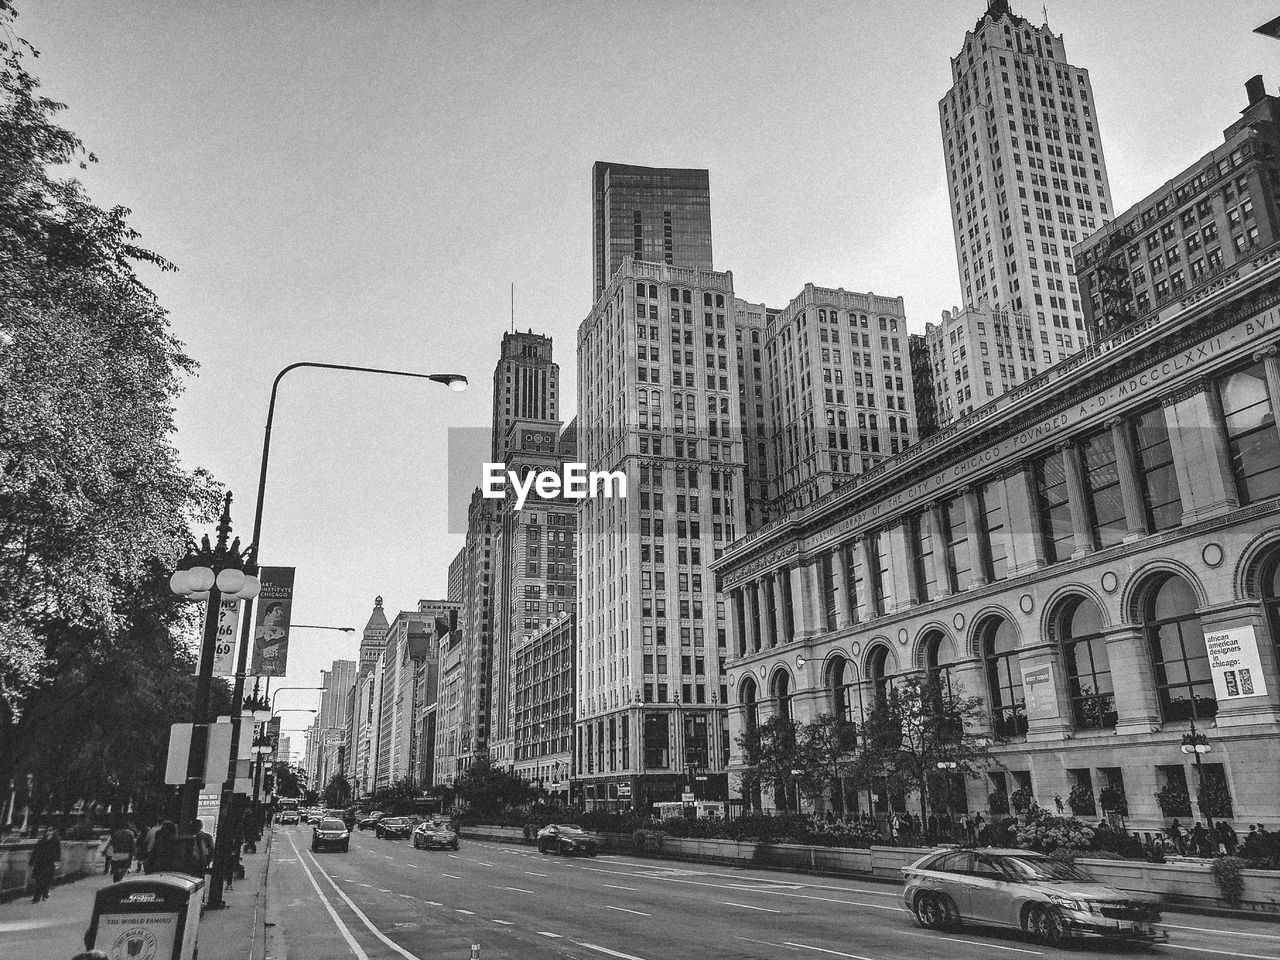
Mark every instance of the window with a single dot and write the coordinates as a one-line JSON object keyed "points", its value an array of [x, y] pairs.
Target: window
{"points": [[878, 672], [1084, 652], [656, 747], [1004, 680], [880, 562], [991, 503], [1156, 473], [1178, 653], [959, 561], [842, 690], [782, 694], [1102, 488], [1251, 433], [1055, 509], [922, 558]]}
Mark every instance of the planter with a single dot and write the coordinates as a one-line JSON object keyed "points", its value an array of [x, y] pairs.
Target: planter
{"points": [[79, 857]]}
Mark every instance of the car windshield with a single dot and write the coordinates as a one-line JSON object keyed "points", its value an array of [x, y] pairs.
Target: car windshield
{"points": [[393, 821], [1043, 869], [569, 828], [332, 825]]}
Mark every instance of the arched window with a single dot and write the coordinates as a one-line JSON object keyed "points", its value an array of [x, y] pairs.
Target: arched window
{"points": [[1084, 652], [878, 672], [782, 693], [1183, 682], [938, 659], [1004, 679], [840, 687], [1271, 597], [750, 707]]}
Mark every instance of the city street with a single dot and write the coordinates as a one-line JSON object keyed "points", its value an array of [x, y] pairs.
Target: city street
{"points": [[385, 899]]}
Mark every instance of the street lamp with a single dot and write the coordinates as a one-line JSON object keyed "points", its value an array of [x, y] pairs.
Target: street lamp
{"points": [[209, 572], [1196, 744], [795, 782]]}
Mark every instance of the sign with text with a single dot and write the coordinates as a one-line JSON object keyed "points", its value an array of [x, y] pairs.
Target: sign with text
{"points": [[224, 649], [137, 936], [271, 622], [1234, 663], [1041, 691]]}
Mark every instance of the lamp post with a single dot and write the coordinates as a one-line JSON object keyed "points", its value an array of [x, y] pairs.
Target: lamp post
{"points": [[947, 766], [1197, 745], [455, 382], [210, 572], [795, 783]]}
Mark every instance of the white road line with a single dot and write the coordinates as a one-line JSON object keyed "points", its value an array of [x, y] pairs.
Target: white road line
{"points": [[414, 865], [359, 913], [450, 876], [973, 943], [483, 864], [614, 886], [834, 953], [532, 874], [747, 906], [433, 903], [548, 933], [1224, 953], [639, 913], [469, 913], [408, 896], [342, 927], [505, 923], [1232, 933], [454, 856], [767, 943], [606, 950], [516, 889]]}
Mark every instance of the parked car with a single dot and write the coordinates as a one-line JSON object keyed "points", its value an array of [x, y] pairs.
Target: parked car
{"points": [[1046, 899], [287, 817], [434, 835], [330, 833], [567, 838], [393, 828], [370, 821]]}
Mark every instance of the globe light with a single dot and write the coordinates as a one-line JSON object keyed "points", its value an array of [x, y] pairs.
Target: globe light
{"points": [[251, 587], [230, 580], [200, 578], [179, 583]]}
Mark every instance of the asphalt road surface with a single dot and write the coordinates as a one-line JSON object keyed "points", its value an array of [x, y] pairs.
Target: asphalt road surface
{"points": [[385, 900]]}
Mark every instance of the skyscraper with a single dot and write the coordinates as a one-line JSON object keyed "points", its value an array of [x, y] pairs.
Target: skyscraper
{"points": [[526, 386], [659, 214], [1026, 176]]}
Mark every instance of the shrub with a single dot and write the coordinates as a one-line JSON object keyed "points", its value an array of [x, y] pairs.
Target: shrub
{"points": [[1228, 875], [1080, 799], [998, 802], [1174, 800], [1113, 799], [1021, 800], [1046, 832]]}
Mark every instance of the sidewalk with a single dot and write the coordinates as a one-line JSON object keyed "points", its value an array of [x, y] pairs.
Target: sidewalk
{"points": [[54, 929]]}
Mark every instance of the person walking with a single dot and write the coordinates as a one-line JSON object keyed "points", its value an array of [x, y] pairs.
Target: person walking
{"points": [[1174, 830], [119, 852], [204, 849], [1227, 839], [45, 856], [164, 853]]}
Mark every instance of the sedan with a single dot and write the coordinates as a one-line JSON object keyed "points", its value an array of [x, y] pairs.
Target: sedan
{"points": [[287, 817], [393, 828], [1046, 899], [433, 835], [567, 838], [370, 821], [330, 834]]}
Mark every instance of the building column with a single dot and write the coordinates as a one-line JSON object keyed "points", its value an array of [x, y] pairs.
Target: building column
{"points": [[787, 618], [780, 634], [979, 549], [750, 613], [1077, 499], [1247, 616], [1022, 519], [867, 601], [1135, 511], [941, 565], [845, 615], [735, 621], [1137, 706], [1198, 443], [801, 615], [768, 610], [1270, 358], [817, 596], [900, 592]]}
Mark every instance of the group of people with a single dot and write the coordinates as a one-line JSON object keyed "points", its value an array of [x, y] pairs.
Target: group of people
{"points": [[1202, 841]]}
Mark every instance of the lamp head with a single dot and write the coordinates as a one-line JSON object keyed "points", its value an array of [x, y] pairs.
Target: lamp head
{"points": [[454, 381]]}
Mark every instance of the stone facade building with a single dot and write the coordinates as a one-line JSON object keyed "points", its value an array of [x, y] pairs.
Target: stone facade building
{"points": [[542, 680], [1096, 554], [978, 353]]}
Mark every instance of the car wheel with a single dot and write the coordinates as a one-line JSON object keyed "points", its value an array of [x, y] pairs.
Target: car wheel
{"points": [[542, 847], [1044, 925], [455, 844], [314, 848], [933, 911]]}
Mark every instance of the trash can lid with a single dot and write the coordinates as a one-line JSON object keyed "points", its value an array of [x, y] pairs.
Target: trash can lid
{"points": [[154, 889]]}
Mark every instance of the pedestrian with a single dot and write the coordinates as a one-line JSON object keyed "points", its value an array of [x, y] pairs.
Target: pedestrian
{"points": [[119, 852], [1198, 839], [1227, 839], [203, 849], [44, 860], [164, 853], [1174, 830]]}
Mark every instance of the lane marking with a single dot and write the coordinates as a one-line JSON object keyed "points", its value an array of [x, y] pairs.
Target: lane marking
{"points": [[974, 943], [834, 953], [767, 943], [639, 913], [606, 950], [469, 913], [414, 865], [548, 933], [505, 923], [433, 903], [342, 927], [450, 876], [1232, 933], [614, 886], [483, 864], [747, 906], [1224, 953], [408, 896], [532, 874]]}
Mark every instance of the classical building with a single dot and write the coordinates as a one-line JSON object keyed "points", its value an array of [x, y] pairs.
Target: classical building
{"points": [[651, 633], [978, 353], [1194, 234], [659, 214], [542, 680], [840, 397], [1095, 553], [1026, 175]]}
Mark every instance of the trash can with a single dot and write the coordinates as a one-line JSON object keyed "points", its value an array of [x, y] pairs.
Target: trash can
{"points": [[153, 917]]}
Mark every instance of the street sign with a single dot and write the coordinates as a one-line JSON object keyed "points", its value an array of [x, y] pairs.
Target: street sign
{"points": [[624, 791], [686, 797], [217, 755]]}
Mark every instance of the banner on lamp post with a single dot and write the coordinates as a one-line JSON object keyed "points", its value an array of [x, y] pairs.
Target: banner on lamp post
{"points": [[224, 649], [271, 622]]}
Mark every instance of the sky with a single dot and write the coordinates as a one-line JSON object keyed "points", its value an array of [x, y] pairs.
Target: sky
{"points": [[361, 183]]}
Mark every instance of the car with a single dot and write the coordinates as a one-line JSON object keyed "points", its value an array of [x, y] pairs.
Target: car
{"points": [[568, 839], [370, 821], [287, 817], [393, 828], [330, 833], [434, 835], [1048, 900], [313, 816]]}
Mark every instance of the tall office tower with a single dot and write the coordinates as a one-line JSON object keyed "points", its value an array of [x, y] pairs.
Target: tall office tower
{"points": [[364, 732], [657, 214], [842, 398], [1026, 175], [331, 722], [535, 568], [526, 386], [650, 674], [976, 354], [449, 707], [411, 639], [754, 400], [457, 575], [475, 630], [374, 637]]}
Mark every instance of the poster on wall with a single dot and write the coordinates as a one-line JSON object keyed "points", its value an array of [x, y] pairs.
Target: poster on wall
{"points": [[1235, 664], [271, 622], [1041, 692]]}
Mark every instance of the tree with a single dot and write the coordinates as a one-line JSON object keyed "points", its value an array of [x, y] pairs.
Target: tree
{"points": [[919, 723], [487, 789], [94, 506], [290, 780], [771, 751], [826, 748], [338, 791]]}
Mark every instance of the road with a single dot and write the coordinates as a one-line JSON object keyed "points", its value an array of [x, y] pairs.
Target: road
{"points": [[385, 900]]}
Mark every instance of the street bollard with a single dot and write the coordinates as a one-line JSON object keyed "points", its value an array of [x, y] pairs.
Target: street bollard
{"points": [[153, 917]]}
